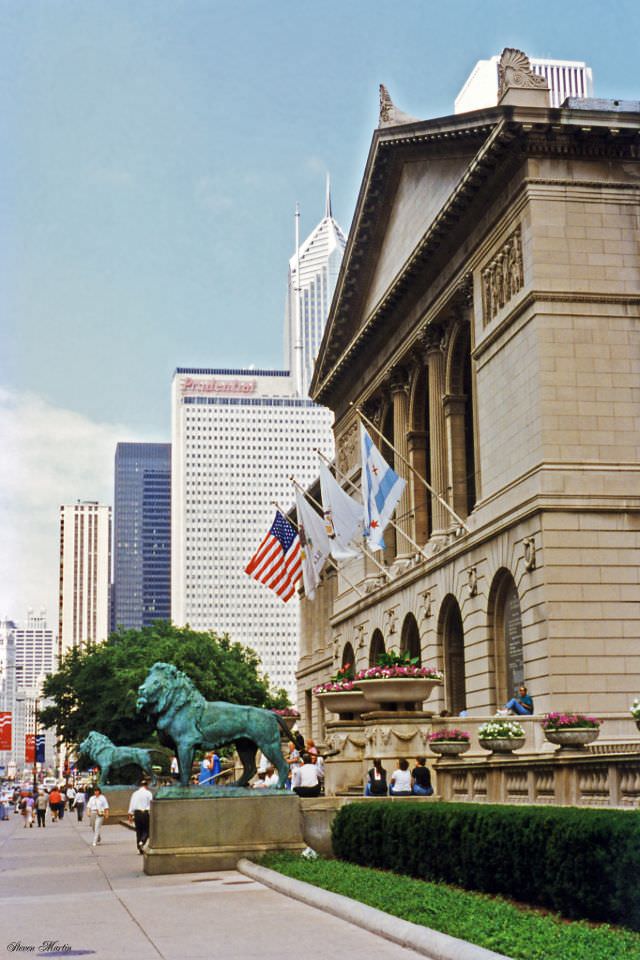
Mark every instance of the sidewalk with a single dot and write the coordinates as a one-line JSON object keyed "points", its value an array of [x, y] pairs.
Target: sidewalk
{"points": [[62, 897]]}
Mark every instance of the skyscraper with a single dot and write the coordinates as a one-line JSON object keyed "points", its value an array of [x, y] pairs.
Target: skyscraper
{"points": [[36, 652], [85, 564], [238, 435], [141, 590], [313, 272], [566, 78]]}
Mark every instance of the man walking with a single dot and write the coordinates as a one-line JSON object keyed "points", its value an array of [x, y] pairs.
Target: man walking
{"points": [[139, 812], [42, 802], [98, 808]]}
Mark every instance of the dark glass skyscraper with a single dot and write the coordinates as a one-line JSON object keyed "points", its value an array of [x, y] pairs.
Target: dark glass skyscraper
{"points": [[142, 535]]}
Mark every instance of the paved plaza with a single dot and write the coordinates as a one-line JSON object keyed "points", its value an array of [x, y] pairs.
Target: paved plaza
{"points": [[59, 896]]}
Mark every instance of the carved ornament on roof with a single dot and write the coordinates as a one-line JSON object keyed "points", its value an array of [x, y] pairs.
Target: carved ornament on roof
{"points": [[390, 116], [514, 70]]}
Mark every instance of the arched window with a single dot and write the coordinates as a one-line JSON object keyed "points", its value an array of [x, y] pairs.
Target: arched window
{"points": [[376, 647], [451, 634], [410, 638], [348, 656], [506, 627]]}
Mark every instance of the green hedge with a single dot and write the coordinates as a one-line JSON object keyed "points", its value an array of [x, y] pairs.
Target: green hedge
{"points": [[582, 863]]}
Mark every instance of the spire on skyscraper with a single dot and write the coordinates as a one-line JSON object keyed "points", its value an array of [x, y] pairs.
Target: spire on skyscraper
{"points": [[327, 202], [313, 273]]}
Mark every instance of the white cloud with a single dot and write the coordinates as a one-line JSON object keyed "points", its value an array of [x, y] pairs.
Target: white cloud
{"points": [[50, 456]]}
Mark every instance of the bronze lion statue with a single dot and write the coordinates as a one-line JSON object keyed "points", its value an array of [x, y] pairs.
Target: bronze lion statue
{"points": [[101, 751], [186, 720]]}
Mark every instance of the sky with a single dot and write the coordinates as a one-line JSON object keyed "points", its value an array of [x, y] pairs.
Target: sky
{"points": [[152, 154]]}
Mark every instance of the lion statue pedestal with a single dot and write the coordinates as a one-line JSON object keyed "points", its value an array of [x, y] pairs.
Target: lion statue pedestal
{"points": [[213, 833]]}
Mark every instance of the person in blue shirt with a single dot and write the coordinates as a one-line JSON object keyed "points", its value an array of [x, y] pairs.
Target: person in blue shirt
{"points": [[522, 703]]}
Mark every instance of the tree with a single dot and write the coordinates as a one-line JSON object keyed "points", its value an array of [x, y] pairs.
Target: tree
{"points": [[96, 688]]}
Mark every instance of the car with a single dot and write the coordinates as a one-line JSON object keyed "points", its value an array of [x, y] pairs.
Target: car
{"points": [[49, 783]]}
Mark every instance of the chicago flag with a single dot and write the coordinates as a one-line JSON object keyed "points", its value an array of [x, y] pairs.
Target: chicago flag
{"points": [[381, 490]]}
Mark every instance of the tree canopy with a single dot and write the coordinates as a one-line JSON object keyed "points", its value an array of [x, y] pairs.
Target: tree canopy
{"points": [[96, 688]]}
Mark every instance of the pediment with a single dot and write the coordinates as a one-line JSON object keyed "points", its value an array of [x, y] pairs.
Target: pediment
{"points": [[410, 176], [423, 187]]}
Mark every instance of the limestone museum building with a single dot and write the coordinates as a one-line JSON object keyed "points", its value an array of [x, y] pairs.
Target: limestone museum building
{"points": [[486, 319]]}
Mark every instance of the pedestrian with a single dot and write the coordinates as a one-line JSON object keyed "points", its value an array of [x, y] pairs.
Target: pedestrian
{"points": [[26, 809], [421, 778], [42, 803], [55, 799], [98, 807], [79, 802], [71, 795], [140, 813]]}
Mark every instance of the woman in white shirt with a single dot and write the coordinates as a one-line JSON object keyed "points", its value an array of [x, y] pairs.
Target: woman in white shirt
{"points": [[400, 783], [308, 784]]}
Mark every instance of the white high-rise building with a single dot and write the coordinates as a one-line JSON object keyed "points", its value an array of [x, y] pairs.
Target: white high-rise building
{"points": [[85, 565], [237, 437], [36, 653], [313, 273], [566, 78]]}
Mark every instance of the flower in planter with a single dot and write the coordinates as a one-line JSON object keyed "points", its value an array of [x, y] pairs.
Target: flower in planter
{"points": [[448, 734], [287, 712], [411, 671], [569, 721], [334, 686], [500, 730], [635, 709]]}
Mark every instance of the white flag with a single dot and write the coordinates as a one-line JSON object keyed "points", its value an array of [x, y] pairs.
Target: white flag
{"points": [[315, 546], [343, 516], [381, 490]]}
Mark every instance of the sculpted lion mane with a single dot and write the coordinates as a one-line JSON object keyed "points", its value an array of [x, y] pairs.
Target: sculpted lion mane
{"points": [[103, 752], [186, 720]]}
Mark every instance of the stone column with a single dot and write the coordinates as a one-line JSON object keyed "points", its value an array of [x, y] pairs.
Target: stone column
{"points": [[419, 495], [454, 412], [400, 397], [437, 429]]}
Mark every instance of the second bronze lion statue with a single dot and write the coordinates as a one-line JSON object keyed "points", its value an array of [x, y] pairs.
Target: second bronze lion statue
{"points": [[189, 722]]}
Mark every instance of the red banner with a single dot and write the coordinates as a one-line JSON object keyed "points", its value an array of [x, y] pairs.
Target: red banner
{"points": [[30, 748], [5, 731]]}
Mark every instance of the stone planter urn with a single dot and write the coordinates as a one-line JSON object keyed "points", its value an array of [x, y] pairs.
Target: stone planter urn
{"points": [[502, 744], [398, 689], [576, 739], [449, 748], [290, 723], [344, 701]]}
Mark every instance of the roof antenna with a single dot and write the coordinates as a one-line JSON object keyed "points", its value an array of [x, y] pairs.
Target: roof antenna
{"points": [[327, 202]]}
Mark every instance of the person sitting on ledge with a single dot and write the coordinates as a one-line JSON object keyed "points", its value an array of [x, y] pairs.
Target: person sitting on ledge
{"points": [[376, 785], [400, 783], [521, 704]]}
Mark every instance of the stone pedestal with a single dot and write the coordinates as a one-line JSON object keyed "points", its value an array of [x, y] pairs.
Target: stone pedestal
{"points": [[118, 798], [213, 833]]}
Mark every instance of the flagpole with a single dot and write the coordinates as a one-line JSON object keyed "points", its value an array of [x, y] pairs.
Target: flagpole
{"points": [[413, 469], [396, 526], [329, 558], [320, 508]]}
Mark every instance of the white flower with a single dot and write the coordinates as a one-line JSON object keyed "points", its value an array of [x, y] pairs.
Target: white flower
{"points": [[500, 729]]}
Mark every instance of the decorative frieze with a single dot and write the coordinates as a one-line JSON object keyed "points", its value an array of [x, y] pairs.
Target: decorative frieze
{"points": [[348, 449], [502, 277]]}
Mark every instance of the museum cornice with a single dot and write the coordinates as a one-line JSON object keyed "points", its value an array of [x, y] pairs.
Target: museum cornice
{"points": [[541, 132]]}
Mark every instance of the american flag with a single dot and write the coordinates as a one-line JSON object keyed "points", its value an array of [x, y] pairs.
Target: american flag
{"points": [[277, 562]]}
